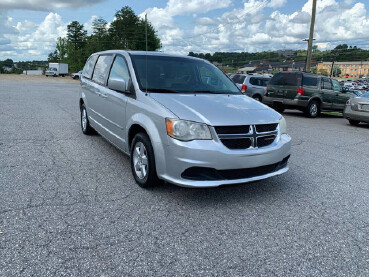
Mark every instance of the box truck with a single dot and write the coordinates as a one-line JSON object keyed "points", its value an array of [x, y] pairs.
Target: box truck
{"points": [[57, 69]]}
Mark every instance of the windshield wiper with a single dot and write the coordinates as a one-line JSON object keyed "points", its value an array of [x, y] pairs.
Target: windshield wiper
{"points": [[161, 90]]}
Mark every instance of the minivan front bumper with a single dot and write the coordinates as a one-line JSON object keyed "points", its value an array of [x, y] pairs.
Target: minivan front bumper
{"points": [[208, 163]]}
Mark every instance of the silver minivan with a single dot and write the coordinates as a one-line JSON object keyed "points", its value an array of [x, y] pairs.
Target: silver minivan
{"points": [[181, 120]]}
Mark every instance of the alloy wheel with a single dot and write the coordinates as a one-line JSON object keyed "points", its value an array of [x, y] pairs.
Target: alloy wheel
{"points": [[140, 160]]}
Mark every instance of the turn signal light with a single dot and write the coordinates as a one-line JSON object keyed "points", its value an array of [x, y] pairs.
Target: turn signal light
{"points": [[243, 88]]}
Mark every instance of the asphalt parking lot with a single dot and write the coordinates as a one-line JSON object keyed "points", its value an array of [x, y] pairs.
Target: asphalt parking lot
{"points": [[69, 205]]}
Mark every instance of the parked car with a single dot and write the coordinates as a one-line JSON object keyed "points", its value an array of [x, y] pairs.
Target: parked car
{"points": [[180, 119], [310, 93], [76, 75], [356, 92], [357, 109], [251, 85]]}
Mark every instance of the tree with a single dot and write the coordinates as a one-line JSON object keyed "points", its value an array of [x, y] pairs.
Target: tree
{"points": [[76, 35], [8, 63], [128, 31], [323, 72], [76, 42], [99, 27], [336, 71], [123, 28], [53, 57], [139, 37], [62, 48]]}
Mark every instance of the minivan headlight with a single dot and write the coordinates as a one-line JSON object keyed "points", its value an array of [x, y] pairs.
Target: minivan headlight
{"points": [[282, 126], [187, 130]]}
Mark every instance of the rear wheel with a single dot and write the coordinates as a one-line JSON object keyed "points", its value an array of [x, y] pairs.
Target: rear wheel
{"points": [[354, 122], [143, 161], [257, 97], [313, 109], [279, 109]]}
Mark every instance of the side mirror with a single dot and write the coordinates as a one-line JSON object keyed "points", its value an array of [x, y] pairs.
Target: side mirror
{"points": [[117, 84]]}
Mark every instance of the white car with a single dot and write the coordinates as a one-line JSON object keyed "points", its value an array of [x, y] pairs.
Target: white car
{"points": [[76, 75]]}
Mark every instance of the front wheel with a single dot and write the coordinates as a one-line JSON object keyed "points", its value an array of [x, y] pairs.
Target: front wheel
{"points": [[143, 161], [85, 124], [313, 109]]}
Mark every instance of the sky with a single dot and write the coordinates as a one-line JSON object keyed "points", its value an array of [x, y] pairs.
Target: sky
{"points": [[29, 28]]}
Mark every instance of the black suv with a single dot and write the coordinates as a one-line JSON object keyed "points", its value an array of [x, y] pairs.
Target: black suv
{"points": [[310, 93]]}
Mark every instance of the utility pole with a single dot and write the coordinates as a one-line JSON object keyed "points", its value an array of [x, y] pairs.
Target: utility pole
{"points": [[310, 42], [333, 61]]}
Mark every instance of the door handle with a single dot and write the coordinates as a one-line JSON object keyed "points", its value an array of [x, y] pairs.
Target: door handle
{"points": [[103, 95]]}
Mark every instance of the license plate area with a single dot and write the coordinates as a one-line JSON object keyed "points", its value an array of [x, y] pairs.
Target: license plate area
{"points": [[364, 107]]}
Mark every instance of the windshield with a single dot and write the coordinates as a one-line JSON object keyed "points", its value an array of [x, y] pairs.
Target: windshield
{"points": [[51, 69], [180, 75], [366, 95]]}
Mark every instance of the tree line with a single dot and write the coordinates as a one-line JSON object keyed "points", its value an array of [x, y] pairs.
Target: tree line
{"points": [[341, 53], [127, 31]]}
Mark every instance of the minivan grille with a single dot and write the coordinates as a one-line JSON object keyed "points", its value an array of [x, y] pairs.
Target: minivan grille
{"points": [[246, 136], [243, 129], [266, 127]]}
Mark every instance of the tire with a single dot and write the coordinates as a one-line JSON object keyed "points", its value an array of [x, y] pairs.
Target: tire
{"points": [[257, 97], [47, 75], [354, 122], [313, 109], [143, 161], [279, 109], [85, 124]]}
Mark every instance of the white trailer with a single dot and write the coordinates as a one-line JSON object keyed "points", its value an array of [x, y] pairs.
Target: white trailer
{"points": [[57, 69]]}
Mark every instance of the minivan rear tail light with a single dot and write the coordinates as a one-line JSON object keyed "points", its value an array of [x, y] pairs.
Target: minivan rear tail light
{"points": [[301, 91], [243, 88], [348, 102]]}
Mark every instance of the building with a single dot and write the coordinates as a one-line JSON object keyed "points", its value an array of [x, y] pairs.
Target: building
{"points": [[348, 69], [246, 70]]}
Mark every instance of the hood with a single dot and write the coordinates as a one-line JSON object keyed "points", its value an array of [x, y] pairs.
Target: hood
{"points": [[217, 109]]}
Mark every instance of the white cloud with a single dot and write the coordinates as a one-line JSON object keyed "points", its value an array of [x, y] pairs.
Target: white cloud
{"points": [[277, 3], [180, 7], [38, 41], [6, 29], [163, 19], [252, 27], [43, 5], [249, 29], [205, 21], [88, 24]]}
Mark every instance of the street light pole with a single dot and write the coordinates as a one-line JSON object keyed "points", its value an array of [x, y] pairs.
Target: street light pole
{"points": [[310, 41]]}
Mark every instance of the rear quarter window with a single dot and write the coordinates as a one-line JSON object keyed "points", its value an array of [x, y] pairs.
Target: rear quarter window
{"points": [[309, 81], [89, 67], [286, 79], [238, 79], [261, 82]]}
